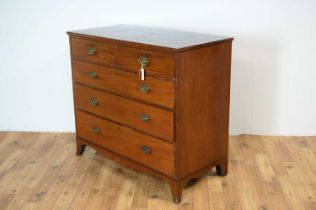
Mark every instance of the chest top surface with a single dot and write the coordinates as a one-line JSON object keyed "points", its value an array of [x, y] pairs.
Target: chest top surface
{"points": [[173, 39]]}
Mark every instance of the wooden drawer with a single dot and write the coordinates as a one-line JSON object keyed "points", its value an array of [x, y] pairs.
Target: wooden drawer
{"points": [[126, 142], [84, 49], [161, 65], [148, 119], [160, 92]]}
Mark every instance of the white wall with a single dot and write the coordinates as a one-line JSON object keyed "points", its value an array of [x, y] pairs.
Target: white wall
{"points": [[274, 60]]}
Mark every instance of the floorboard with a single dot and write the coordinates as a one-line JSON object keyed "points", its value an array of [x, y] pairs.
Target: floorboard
{"points": [[41, 171]]}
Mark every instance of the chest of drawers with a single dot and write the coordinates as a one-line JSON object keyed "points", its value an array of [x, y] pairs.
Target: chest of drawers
{"points": [[153, 100]]}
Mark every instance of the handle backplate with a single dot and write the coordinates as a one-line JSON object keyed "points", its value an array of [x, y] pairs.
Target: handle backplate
{"points": [[146, 149], [143, 61], [144, 117], [94, 101], [92, 74], [144, 88], [92, 50], [96, 130]]}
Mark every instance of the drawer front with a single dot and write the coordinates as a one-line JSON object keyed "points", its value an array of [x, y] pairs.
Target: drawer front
{"points": [[141, 148], [161, 65], [148, 119], [152, 90], [92, 51]]}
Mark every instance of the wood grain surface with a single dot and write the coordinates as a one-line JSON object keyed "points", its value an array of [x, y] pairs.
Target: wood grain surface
{"points": [[124, 83], [126, 142], [157, 39], [105, 53], [41, 171], [160, 65], [202, 106], [125, 111]]}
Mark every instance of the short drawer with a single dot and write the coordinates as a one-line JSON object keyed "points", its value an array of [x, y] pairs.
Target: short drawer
{"points": [[141, 148], [148, 119], [159, 64], [156, 91], [92, 51]]}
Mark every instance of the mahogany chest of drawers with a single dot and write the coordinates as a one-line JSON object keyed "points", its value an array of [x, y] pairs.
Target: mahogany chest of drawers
{"points": [[154, 100]]}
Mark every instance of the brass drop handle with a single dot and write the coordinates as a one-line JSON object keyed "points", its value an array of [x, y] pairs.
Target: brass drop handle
{"points": [[143, 61], [92, 74], [146, 149], [92, 50], [96, 130], [144, 117], [93, 101], [144, 88]]}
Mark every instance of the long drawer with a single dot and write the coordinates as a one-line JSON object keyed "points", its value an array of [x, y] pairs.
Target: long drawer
{"points": [[151, 90], [136, 146], [148, 119]]}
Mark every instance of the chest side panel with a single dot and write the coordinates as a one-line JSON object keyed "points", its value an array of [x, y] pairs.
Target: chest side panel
{"points": [[202, 106]]}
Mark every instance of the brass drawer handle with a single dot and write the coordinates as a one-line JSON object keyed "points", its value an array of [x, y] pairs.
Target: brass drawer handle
{"points": [[143, 61], [92, 74], [93, 101], [92, 50], [144, 88], [146, 149], [96, 130], [144, 117]]}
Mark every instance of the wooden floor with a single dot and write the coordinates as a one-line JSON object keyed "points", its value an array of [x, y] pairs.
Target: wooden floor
{"points": [[41, 171]]}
